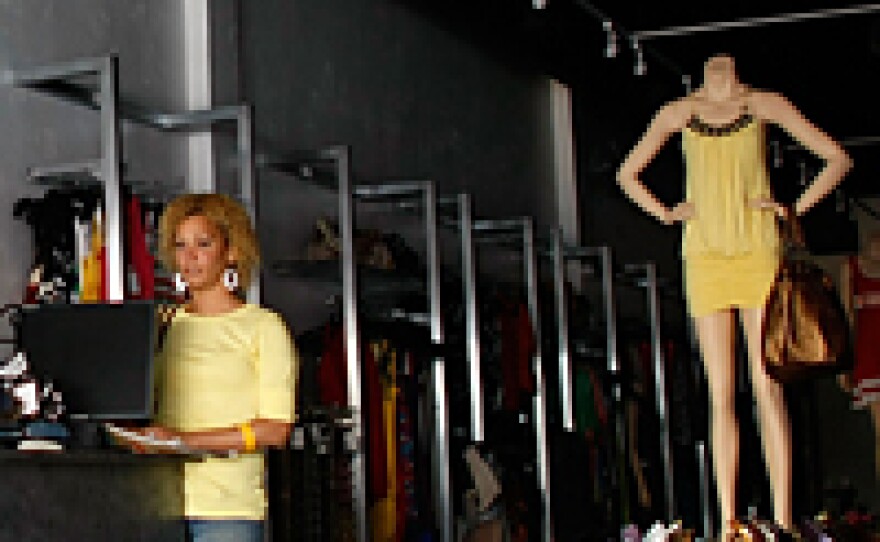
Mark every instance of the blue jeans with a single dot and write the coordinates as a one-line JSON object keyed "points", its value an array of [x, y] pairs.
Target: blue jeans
{"points": [[224, 530]]}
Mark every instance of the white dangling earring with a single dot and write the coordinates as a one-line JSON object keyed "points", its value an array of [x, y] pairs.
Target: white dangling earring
{"points": [[179, 283], [230, 279]]}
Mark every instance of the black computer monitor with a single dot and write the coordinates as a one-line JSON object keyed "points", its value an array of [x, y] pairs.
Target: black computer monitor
{"points": [[100, 356]]}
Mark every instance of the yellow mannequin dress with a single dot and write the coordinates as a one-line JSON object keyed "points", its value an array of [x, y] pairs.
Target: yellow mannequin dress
{"points": [[731, 251]]}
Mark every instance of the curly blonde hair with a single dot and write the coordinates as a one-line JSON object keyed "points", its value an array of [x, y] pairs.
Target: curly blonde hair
{"points": [[230, 219]]}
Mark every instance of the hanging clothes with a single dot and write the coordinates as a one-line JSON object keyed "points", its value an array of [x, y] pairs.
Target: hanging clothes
{"points": [[141, 283], [53, 220], [333, 381], [93, 273], [866, 373], [518, 348], [385, 511]]}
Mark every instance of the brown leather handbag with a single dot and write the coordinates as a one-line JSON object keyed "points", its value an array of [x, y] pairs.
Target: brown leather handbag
{"points": [[805, 331]]}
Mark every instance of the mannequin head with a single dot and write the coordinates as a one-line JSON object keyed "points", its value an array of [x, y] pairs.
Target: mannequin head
{"points": [[719, 74]]}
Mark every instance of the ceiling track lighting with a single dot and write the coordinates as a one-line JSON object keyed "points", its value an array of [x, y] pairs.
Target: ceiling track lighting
{"points": [[611, 47], [640, 68]]}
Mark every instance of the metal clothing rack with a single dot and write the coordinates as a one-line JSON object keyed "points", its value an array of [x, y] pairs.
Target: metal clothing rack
{"points": [[456, 212], [101, 93], [421, 195], [331, 168], [520, 234], [646, 277], [601, 260]]}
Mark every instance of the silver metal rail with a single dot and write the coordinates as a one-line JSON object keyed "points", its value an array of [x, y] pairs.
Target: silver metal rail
{"points": [[335, 162], [649, 282], [104, 71], [421, 194], [461, 218], [493, 230], [66, 81]]}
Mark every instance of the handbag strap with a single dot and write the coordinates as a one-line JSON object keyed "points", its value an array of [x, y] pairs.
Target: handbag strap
{"points": [[790, 232]]}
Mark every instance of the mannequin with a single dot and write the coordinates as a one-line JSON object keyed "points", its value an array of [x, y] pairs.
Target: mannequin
{"points": [[860, 292], [731, 249]]}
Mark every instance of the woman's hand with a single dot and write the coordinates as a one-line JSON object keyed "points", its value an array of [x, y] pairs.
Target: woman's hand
{"points": [[768, 203], [153, 432], [680, 213]]}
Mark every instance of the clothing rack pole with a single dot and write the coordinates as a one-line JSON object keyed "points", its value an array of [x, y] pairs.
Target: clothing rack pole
{"points": [[465, 221], [330, 168], [110, 175], [461, 218], [60, 80], [425, 199], [438, 377], [606, 262], [341, 159], [605, 267], [649, 282], [523, 228], [565, 392], [540, 399], [106, 70], [705, 504]]}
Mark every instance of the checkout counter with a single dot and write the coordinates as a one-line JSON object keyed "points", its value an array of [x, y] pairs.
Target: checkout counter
{"points": [[76, 367]]}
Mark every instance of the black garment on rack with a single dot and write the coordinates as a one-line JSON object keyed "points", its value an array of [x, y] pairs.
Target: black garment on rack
{"points": [[51, 219]]}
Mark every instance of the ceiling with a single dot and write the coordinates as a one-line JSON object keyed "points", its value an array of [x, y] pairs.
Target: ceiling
{"points": [[830, 69]]}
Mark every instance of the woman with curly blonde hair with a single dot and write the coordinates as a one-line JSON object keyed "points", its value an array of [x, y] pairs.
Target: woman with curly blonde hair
{"points": [[225, 378]]}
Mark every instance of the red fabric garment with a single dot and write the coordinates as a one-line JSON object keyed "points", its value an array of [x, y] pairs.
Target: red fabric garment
{"points": [[102, 259], [138, 254], [333, 383], [599, 398], [517, 350], [866, 373]]}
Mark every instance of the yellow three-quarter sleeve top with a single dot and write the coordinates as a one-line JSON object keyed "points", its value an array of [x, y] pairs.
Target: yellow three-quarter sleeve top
{"points": [[215, 372]]}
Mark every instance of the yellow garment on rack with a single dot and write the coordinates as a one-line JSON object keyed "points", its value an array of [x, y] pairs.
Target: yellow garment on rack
{"points": [[91, 271], [731, 250], [385, 511]]}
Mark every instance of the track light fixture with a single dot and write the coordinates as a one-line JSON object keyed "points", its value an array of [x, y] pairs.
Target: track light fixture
{"points": [[610, 39], [640, 67]]}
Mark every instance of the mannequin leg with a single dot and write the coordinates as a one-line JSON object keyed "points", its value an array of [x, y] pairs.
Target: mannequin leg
{"points": [[716, 337], [773, 420]]}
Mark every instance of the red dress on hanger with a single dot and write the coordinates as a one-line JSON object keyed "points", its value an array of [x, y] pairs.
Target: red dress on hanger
{"points": [[866, 374]]}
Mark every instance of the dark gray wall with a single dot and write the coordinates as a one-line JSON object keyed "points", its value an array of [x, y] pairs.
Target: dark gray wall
{"points": [[36, 130], [412, 100]]}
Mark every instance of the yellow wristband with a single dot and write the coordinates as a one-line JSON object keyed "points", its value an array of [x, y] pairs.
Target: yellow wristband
{"points": [[248, 437]]}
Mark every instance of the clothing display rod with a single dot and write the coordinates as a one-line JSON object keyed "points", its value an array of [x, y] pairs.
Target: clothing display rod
{"points": [[602, 261], [332, 168], [423, 195], [647, 274], [459, 216], [105, 71], [522, 229], [65, 81]]}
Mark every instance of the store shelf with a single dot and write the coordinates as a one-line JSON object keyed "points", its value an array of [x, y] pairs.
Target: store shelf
{"points": [[373, 281]]}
